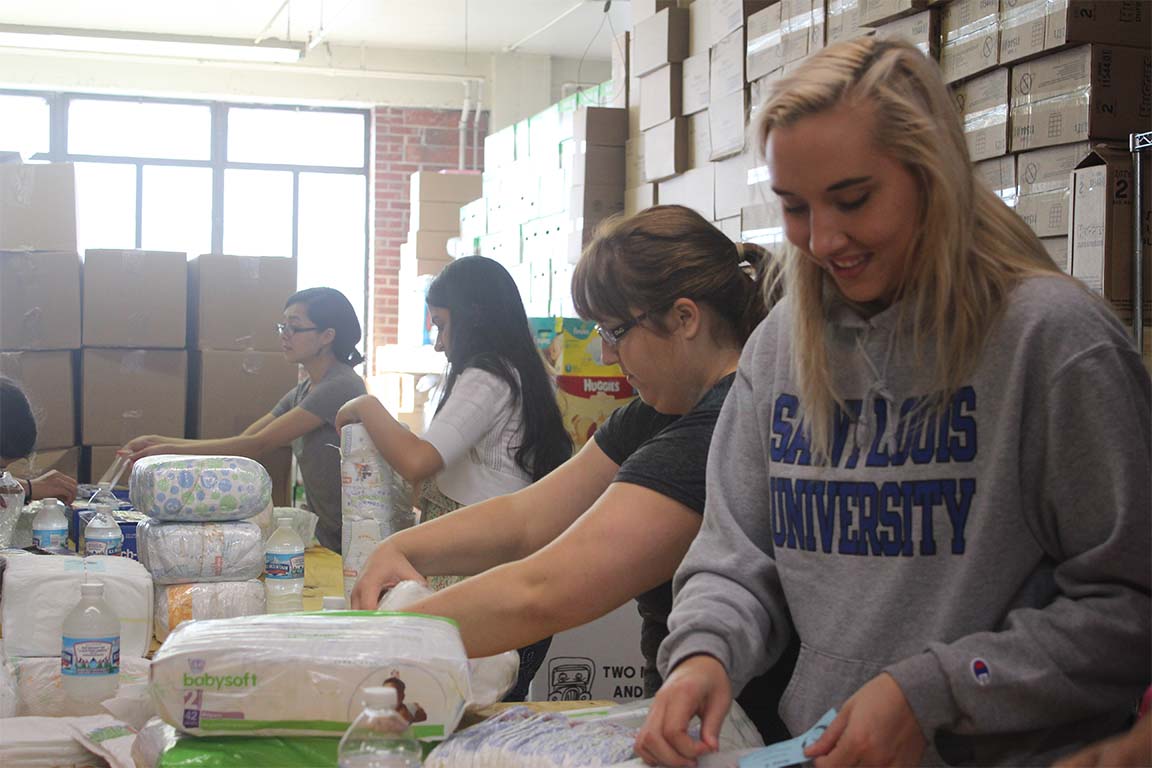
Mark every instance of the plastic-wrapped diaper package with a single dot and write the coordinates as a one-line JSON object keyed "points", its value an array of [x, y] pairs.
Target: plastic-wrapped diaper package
{"points": [[8, 694], [152, 741], [51, 742], [40, 693], [177, 603], [199, 488], [492, 676], [39, 591], [284, 674], [186, 553]]}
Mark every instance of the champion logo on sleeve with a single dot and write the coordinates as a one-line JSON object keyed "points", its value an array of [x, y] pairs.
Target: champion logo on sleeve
{"points": [[981, 672]]}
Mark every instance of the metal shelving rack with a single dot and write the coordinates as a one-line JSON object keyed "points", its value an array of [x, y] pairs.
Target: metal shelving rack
{"points": [[1139, 144]]}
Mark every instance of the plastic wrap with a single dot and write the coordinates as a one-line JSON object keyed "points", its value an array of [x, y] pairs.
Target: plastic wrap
{"points": [[8, 693], [289, 674], [40, 591], [40, 693], [32, 742], [199, 488], [153, 740], [177, 603], [187, 553]]}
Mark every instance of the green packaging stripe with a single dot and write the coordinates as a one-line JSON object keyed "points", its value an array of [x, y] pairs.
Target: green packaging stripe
{"points": [[232, 725], [254, 752]]}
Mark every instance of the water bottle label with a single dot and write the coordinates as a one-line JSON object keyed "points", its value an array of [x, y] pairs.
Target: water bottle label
{"points": [[49, 537], [285, 566], [102, 546], [90, 656]]}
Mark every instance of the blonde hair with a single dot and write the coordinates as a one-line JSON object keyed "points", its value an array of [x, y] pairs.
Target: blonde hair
{"points": [[646, 261], [970, 248]]}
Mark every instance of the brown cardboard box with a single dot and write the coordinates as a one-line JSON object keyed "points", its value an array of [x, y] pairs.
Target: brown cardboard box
{"points": [[231, 390], [592, 204], [429, 245], [37, 207], [727, 64], [661, 39], [1021, 28], [234, 302], [727, 124], [999, 175], [1128, 22], [634, 162], [433, 215], [696, 89], [1046, 212], [970, 33], [1101, 235], [874, 12], [765, 51], [1088, 92], [1044, 170], [1057, 248], [695, 189], [666, 149], [699, 140], [411, 266], [39, 300], [63, 460], [699, 34], [643, 9], [921, 29], [795, 29], [639, 198], [729, 15], [47, 379], [435, 187], [844, 21], [732, 189], [983, 105], [135, 299], [600, 166], [134, 392], [660, 96], [762, 223], [599, 126]]}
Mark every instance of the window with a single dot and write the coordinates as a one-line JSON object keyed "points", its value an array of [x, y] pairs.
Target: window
{"points": [[258, 213], [177, 209], [24, 124], [139, 129], [332, 238], [105, 205], [280, 136]]}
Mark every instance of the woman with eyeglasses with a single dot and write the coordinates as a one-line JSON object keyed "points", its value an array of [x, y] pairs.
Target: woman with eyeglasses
{"points": [[675, 304], [319, 331]]}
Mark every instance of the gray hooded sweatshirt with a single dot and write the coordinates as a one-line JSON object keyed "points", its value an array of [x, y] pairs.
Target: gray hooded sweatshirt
{"points": [[995, 561]]}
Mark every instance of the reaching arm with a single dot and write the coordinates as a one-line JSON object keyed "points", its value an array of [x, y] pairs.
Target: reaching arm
{"points": [[629, 542], [276, 432], [476, 538]]}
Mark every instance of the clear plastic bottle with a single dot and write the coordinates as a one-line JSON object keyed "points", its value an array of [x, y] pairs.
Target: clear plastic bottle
{"points": [[380, 737], [50, 526], [90, 648], [284, 568], [11, 505], [102, 535]]}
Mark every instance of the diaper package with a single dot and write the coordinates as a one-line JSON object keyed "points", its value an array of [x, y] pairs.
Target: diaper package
{"points": [[51, 742], [177, 603], [40, 591], [40, 693], [187, 553], [199, 488], [286, 674]]}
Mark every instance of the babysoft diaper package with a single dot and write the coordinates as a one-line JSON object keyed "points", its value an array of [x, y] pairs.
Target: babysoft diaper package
{"points": [[286, 674], [199, 488], [186, 553]]}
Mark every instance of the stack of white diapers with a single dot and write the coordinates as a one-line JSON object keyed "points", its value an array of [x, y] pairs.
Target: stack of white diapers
{"points": [[203, 553]]}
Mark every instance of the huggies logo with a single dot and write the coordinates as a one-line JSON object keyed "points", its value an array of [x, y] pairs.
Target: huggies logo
{"points": [[220, 682], [591, 385]]}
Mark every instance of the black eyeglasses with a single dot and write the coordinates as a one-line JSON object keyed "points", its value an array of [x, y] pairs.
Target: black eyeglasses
{"points": [[612, 336], [287, 330]]}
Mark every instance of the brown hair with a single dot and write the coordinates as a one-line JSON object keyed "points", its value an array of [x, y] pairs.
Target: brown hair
{"points": [[646, 261]]}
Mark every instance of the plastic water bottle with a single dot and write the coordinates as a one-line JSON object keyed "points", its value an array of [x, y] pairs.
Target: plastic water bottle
{"points": [[90, 648], [284, 569], [102, 535], [380, 737], [50, 526], [11, 505]]}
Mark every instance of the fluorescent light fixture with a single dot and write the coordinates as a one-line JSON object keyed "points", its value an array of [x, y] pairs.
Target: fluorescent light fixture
{"points": [[148, 44]]}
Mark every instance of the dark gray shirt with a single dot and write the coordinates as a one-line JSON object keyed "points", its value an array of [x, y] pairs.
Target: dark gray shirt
{"points": [[319, 461]]}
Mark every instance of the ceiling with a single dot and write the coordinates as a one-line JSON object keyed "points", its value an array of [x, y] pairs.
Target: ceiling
{"points": [[492, 25]]}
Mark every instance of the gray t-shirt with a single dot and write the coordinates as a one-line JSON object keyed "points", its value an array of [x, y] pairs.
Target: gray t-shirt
{"points": [[319, 461]]}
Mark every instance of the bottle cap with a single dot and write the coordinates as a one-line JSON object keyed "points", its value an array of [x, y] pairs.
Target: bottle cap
{"points": [[50, 503], [380, 697], [92, 589]]}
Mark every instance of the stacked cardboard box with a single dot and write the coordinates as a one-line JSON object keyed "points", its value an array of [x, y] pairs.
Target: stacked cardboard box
{"points": [[237, 372], [40, 326]]}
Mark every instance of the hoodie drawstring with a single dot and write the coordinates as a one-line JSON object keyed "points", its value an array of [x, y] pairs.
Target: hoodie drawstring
{"points": [[878, 388]]}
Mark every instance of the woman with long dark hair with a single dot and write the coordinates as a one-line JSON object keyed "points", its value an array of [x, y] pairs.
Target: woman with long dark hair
{"points": [[319, 331], [497, 427]]}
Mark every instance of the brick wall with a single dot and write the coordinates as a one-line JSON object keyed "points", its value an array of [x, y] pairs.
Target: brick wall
{"points": [[405, 140]]}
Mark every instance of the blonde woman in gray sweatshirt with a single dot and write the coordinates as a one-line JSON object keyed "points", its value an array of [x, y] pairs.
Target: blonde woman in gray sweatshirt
{"points": [[936, 462]]}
